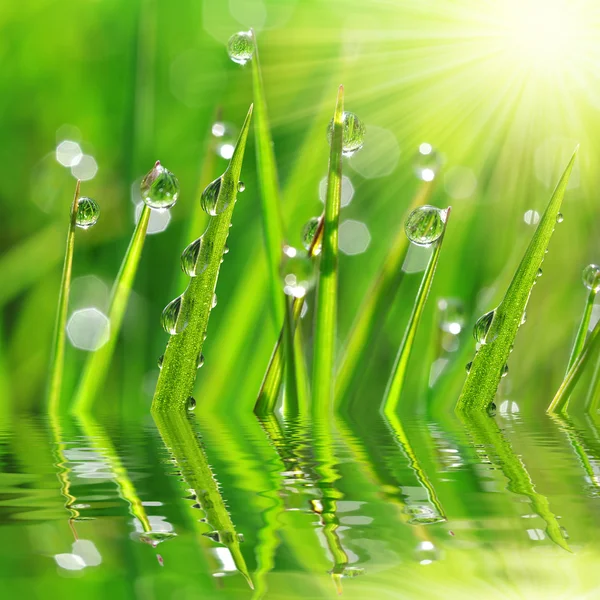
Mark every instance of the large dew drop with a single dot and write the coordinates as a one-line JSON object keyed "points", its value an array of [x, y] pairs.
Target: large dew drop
{"points": [[309, 232], [160, 188], [297, 272], [427, 162], [210, 201], [88, 212], [171, 318], [591, 277], [353, 133], [481, 331], [425, 225], [240, 47], [190, 263]]}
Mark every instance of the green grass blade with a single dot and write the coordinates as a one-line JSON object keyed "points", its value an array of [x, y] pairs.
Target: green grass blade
{"points": [[178, 374], [583, 329], [489, 362], [593, 395], [396, 381], [57, 362], [371, 314], [292, 402], [269, 187], [566, 388], [98, 363], [269, 391], [182, 441], [326, 303]]}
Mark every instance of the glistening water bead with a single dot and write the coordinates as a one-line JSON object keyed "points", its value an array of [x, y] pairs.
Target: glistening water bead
{"points": [[425, 225], [240, 47], [190, 403], [308, 233], [481, 331], [210, 198], [353, 133], [160, 188], [189, 259], [88, 212], [591, 277], [297, 272], [171, 317]]}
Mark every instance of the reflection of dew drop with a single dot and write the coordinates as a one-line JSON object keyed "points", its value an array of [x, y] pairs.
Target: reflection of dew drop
{"points": [[452, 315], [88, 329], [531, 217]]}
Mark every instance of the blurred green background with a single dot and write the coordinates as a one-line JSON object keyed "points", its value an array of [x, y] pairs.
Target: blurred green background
{"points": [[503, 90]]}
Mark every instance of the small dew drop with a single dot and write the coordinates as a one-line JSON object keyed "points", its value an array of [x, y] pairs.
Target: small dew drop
{"points": [[297, 272], [481, 331], [425, 225], [161, 358], [559, 218], [171, 317], [504, 370], [491, 409], [523, 318], [190, 403], [353, 133], [88, 212], [591, 277], [160, 188], [308, 234], [241, 186], [427, 162], [200, 361], [468, 367], [540, 272], [226, 250], [240, 47], [214, 301], [189, 259], [210, 198]]}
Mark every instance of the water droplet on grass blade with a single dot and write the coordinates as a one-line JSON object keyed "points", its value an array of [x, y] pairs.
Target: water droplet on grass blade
{"points": [[308, 234], [88, 212], [171, 318], [241, 186], [189, 259], [190, 403], [591, 277], [481, 331], [353, 133], [425, 225], [559, 218], [491, 409], [160, 188], [468, 367], [504, 370], [240, 47], [297, 272], [210, 198], [214, 301], [161, 358], [427, 162], [200, 360]]}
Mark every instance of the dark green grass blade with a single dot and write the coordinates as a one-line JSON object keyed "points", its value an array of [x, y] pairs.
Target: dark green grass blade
{"points": [[178, 374], [98, 363], [371, 314], [489, 362], [183, 442], [326, 302], [269, 187], [566, 388], [396, 381], [269, 390], [57, 362]]}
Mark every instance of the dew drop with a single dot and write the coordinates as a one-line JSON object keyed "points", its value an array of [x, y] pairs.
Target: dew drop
{"points": [[468, 367], [427, 162], [540, 272], [241, 186], [226, 250], [240, 47], [504, 370], [308, 234], [559, 218], [297, 272], [523, 318], [190, 403], [214, 301], [88, 212], [353, 133], [160, 188], [591, 277], [425, 225], [210, 198], [452, 315], [161, 358], [189, 259], [200, 360], [491, 409], [171, 317], [481, 331]]}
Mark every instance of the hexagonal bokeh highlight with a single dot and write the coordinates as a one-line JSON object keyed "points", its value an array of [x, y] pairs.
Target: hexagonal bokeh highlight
{"points": [[354, 237], [88, 329], [159, 219]]}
